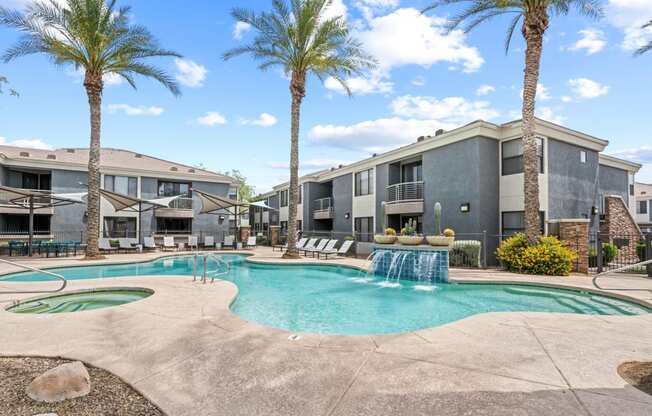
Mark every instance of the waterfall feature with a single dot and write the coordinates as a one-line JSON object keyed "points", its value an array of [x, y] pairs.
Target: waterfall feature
{"points": [[429, 265]]}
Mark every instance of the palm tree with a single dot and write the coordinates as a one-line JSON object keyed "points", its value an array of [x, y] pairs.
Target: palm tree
{"points": [[301, 40], [95, 37], [535, 16], [648, 46], [4, 80]]}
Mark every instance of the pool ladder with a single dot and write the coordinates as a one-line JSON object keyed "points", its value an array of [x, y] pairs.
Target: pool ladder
{"points": [[204, 276], [34, 269]]}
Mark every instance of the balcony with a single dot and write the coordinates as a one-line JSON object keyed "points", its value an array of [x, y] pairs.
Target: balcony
{"points": [[404, 198], [323, 209], [178, 208]]}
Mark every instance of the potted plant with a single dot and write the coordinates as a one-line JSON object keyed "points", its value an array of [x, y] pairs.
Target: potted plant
{"points": [[409, 235], [444, 239], [388, 238]]}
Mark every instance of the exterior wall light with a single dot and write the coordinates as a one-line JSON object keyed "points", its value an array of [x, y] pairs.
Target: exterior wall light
{"points": [[347, 215], [594, 210], [465, 207]]}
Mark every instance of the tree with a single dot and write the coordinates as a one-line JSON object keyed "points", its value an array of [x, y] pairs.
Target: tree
{"points": [[4, 80], [96, 37], [535, 16], [245, 190], [302, 40], [647, 46]]}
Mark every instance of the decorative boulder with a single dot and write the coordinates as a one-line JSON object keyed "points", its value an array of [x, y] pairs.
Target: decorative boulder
{"points": [[66, 381]]}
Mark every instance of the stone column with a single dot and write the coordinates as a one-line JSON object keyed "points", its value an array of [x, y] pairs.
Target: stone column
{"points": [[274, 231], [575, 233]]}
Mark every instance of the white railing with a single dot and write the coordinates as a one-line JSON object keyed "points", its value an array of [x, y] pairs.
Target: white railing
{"points": [[34, 269], [405, 191], [323, 205], [181, 203]]}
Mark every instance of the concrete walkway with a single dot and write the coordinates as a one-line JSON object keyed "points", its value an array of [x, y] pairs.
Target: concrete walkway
{"points": [[183, 349]]}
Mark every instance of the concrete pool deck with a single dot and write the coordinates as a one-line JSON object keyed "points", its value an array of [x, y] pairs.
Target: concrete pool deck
{"points": [[184, 350]]}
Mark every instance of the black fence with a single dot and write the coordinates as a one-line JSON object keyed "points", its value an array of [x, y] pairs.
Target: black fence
{"points": [[611, 251]]}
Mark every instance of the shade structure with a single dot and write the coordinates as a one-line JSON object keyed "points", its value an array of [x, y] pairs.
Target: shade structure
{"points": [[211, 203], [32, 199], [262, 204]]}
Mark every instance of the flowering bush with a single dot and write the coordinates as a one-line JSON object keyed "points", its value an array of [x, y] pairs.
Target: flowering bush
{"points": [[390, 231], [449, 232], [548, 257]]}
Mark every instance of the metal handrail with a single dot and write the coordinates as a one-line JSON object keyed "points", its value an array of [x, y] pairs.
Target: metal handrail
{"points": [[204, 276], [405, 191], [64, 282], [620, 269]]}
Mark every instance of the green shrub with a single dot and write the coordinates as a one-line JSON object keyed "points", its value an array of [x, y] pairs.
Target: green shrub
{"points": [[548, 257], [640, 251], [608, 254], [465, 253]]}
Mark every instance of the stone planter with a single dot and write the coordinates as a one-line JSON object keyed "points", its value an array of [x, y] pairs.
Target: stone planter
{"points": [[410, 240], [384, 239], [440, 240]]}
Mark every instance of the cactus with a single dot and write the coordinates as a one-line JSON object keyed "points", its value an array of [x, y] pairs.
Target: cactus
{"points": [[410, 228], [438, 218]]}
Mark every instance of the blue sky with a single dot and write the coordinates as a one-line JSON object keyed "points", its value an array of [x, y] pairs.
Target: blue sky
{"points": [[233, 116]]}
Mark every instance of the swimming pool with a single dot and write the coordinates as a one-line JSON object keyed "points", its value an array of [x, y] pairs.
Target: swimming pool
{"points": [[338, 300]]}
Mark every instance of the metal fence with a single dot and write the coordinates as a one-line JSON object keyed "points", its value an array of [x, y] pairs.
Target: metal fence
{"points": [[609, 251]]}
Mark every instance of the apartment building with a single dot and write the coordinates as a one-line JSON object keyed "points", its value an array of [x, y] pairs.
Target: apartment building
{"points": [[643, 217], [475, 172], [64, 171]]}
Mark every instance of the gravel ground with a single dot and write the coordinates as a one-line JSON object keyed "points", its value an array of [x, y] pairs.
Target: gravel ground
{"points": [[109, 395]]}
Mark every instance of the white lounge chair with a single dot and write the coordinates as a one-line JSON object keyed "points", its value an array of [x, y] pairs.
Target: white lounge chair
{"points": [[299, 245], [104, 245], [318, 247], [228, 242], [168, 243], [193, 242], [307, 246], [251, 242], [125, 245], [342, 251], [149, 244], [209, 241]]}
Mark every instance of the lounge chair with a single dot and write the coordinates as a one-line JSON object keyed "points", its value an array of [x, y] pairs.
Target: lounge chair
{"points": [[105, 246], [125, 245], [228, 242], [318, 247], [341, 252], [209, 241], [168, 243], [301, 244], [149, 244], [251, 242], [193, 242]]}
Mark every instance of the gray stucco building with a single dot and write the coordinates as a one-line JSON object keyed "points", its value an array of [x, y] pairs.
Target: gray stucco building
{"points": [[474, 171], [64, 171]]}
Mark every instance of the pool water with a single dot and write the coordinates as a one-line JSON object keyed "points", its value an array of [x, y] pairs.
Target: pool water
{"points": [[81, 301], [338, 300]]}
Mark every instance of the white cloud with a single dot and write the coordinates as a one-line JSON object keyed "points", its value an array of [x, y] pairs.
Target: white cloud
{"points": [[374, 135], [239, 29], [135, 111], [485, 89], [361, 86], [592, 41], [264, 120], [313, 164], [112, 79], [383, 4], [543, 94], [641, 154], [587, 88], [549, 114], [567, 98], [211, 118], [629, 16], [337, 8], [450, 109], [30, 143], [419, 81], [408, 37], [189, 73]]}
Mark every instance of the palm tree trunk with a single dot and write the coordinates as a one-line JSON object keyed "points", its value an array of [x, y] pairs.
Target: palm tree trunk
{"points": [[94, 86], [534, 27], [298, 91]]}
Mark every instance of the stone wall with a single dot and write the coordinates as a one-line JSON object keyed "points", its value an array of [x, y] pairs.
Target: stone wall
{"points": [[575, 233], [618, 226]]}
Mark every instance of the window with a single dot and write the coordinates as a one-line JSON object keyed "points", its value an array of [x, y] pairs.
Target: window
{"points": [[412, 172], [642, 207], [19, 224], [364, 182], [364, 228], [512, 156], [514, 222], [582, 156], [284, 227], [26, 180], [174, 189], [631, 189], [119, 227], [124, 185], [174, 225], [284, 198]]}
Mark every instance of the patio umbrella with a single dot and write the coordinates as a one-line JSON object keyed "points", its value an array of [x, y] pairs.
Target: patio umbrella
{"points": [[216, 204], [32, 199]]}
